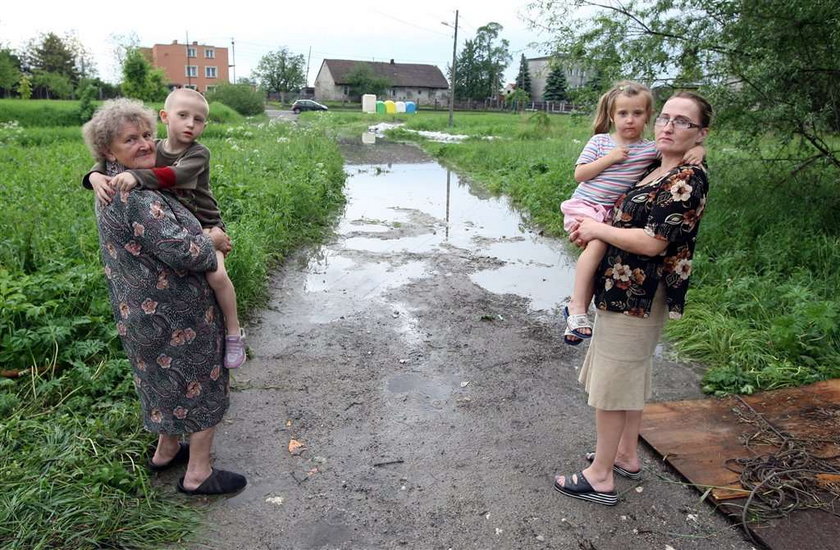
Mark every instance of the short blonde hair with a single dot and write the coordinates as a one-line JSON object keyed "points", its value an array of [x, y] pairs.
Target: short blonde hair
{"points": [[187, 92], [108, 120]]}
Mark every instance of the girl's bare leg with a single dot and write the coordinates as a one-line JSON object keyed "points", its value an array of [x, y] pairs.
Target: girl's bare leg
{"points": [[584, 285]]}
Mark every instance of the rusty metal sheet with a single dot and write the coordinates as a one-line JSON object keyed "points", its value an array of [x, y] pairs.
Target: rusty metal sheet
{"points": [[697, 437]]}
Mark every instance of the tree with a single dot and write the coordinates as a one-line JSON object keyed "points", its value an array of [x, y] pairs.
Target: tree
{"points": [[523, 79], [51, 54], [770, 65], [140, 80], [517, 99], [280, 72], [52, 85], [555, 84], [9, 71], [362, 80], [25, 87], [87, 93], [482, 63]]}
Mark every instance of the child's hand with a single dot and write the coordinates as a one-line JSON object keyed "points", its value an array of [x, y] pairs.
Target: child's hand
{"points": [[124, 181], [102, 188], [695, 155], [621, 152]]}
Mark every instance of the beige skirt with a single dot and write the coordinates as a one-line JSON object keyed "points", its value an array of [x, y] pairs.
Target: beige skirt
{"points": [[617, 370]]}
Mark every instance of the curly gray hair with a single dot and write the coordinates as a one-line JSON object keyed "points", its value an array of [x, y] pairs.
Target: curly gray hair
{"points": [[108, 119]]}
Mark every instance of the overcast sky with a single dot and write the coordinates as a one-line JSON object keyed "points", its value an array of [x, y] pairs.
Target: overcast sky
{"points": [[372, 30]]}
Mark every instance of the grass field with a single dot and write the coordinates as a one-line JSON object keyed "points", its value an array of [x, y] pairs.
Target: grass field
{"points": [[73, 449]]}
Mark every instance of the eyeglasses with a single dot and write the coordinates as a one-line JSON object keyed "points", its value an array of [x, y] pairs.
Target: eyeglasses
{"points": [[679, 122]]}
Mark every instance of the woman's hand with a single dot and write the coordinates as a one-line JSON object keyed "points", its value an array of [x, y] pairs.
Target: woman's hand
{"points": [[221, 240], [585, 230]]}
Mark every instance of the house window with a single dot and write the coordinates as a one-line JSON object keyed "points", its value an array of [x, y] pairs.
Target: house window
{"points": [[210, 72], [211, 87], [346, 90], [191, 71], [190, 52], [191, 86], [210, 54]]}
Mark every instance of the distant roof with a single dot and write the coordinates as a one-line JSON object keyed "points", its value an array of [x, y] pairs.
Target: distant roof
{"points": [[398, 74]]}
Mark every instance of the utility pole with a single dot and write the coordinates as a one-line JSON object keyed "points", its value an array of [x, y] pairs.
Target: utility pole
{"points": [[233, 58], [189, 67], [308, 58], [452, 76]]}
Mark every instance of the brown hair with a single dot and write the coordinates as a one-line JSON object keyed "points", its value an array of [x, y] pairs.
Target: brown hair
{"points": [[702, 104], [606, 104], [108, 119]]}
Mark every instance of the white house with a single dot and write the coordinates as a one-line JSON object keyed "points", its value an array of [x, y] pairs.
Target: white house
{"points": [[422, 84]]}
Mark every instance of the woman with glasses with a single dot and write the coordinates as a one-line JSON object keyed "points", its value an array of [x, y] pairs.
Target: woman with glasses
{"points": [[643, 275]]}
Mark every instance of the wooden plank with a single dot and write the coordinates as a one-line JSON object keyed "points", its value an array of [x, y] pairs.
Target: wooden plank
{"points": [[698, 437]]}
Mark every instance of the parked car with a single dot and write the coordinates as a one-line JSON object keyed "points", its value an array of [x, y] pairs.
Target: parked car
{"points": [[307, 105]]}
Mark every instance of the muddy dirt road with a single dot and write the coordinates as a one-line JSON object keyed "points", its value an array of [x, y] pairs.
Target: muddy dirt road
{"points": [[417, 357]]}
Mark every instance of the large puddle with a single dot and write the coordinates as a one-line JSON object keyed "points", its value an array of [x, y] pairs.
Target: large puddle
{"points": [[398, 215]]}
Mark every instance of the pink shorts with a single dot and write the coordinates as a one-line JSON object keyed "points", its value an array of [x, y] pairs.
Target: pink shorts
{"points": [[579, 208]]}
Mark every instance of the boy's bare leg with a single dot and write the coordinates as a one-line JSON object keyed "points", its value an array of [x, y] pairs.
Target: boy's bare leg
{"points": [[584, 285], [225, 294]]}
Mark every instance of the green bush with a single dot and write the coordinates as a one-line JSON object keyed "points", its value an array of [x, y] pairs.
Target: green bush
{"points": [[222, 114], [240, 97]]}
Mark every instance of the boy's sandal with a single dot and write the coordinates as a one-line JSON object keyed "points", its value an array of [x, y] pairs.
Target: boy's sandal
{"points": [[181, 457], [576, 486], [635, 476]]}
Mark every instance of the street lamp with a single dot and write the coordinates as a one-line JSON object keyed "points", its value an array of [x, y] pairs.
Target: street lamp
{"points": [[452, 76]]}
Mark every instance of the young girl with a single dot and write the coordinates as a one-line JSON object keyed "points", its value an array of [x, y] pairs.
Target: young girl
{"points": [[610, 164]]}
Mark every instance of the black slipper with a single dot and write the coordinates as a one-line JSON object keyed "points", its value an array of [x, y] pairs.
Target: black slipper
{"points": [[181, 457], [220, 482], [635, 476], [577, 486]]}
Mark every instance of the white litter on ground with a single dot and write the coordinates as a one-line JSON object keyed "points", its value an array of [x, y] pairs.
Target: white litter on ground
{"points": [[382, 127]]}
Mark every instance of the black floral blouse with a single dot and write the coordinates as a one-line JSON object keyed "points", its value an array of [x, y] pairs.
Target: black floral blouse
{"points": [[668, 208]]}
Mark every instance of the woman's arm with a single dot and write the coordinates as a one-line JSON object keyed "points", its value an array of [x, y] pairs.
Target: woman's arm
{"points": [[634, 240]]}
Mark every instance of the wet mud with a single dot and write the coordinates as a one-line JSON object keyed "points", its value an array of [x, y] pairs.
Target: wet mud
{"points": [[417, 358]]}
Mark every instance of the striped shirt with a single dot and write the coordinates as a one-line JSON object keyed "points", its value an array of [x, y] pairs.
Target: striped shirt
{"points": [[615, 180]]}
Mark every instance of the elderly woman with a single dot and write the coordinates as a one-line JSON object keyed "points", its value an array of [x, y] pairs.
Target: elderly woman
{"points": [[644, 273], [155, 257]]}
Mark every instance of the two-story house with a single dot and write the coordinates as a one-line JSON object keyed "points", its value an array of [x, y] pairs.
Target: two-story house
{"points": [[201, 67]]}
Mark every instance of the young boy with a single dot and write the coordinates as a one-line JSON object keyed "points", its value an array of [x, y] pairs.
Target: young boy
{"points": [[183, 165]]}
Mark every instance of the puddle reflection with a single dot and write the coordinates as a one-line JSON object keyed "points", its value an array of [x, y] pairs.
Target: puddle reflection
{"points": [[424, 209]]}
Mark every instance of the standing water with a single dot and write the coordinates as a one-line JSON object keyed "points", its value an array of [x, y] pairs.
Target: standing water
{"points": [[398, 214]]}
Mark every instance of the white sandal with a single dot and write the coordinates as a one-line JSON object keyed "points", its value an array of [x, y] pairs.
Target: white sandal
{"points": [[575, 322]]}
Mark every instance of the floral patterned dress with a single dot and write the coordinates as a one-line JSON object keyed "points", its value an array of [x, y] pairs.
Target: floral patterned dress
{"points": [[155, 257], [668, 208]]}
